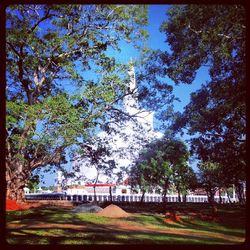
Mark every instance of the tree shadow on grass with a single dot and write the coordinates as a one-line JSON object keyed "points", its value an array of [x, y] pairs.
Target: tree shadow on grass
{"points": [[45, 214], [146, 219], [40, 212], [188, 223], [97, 233], [105, 235], [213, 227]]}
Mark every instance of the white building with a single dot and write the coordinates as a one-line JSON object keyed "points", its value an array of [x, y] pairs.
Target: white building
{"points": [[125, 144]]}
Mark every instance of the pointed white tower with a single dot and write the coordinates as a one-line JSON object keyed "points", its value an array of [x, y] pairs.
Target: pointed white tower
{"points": [[130, 100], [131, 72], [128, 137]]}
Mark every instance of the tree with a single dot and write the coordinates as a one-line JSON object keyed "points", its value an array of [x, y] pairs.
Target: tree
{"points": [[33, 183], [127, 135], [48, 46], [212, 36], [163, 162], [177, 154], [139, 178], [97, 156], [209, 177], [50, 188], [184, 179]]}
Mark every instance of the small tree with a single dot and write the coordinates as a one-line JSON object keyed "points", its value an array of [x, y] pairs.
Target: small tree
{"points": [[33, 183], [141, 176], [209, 177], [184, 179], [95, 155], [177, 154], [163, 162], [165, 178]]}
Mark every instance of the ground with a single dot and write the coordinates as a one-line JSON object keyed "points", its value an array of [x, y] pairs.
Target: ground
{"points": [[48, 225]]}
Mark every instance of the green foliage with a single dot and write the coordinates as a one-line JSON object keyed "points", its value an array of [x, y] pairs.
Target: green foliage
{"points": [[212, 36], [50, 50], [51, 188], [162, 163], [33, 183], [200, 34], [210, 176], [230, 229]]}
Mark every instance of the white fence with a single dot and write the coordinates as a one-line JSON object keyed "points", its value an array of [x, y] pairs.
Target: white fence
{"points": [[123, 198]]}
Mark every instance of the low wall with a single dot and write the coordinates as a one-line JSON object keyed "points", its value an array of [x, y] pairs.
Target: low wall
{"points": [[58, 203], [69, 199]]}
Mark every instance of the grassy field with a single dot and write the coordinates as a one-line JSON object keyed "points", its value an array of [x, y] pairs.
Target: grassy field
{"points": [[61, 226]]}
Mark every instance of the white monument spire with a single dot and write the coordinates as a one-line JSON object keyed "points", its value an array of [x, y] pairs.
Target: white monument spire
{"points": [[130, 100], [125, 146], [131, 73]]}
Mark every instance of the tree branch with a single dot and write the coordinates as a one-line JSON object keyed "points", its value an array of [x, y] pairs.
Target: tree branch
{"points": [[41, 20], [222, 136], [13, 48], [23, 81], [197, 32], [118, 6], [48, 159]]}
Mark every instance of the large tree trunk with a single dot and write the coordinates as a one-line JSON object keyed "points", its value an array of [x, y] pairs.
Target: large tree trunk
{"points": [[16, 192], [18, 168], [16, 178]]}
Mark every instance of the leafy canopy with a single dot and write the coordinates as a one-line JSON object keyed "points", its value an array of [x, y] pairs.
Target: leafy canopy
{"points": [[52, 102], [162, 163], [212, 36]]}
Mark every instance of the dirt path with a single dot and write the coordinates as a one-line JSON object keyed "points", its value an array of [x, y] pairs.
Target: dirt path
{"points": [[125, 227]]}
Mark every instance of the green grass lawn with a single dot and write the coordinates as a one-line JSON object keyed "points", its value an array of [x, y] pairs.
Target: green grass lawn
{"points": [[61, 226]]}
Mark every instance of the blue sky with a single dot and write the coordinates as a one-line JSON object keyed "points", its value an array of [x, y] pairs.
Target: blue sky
{"points": [[157, 14]]}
